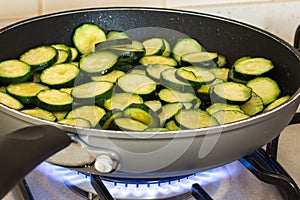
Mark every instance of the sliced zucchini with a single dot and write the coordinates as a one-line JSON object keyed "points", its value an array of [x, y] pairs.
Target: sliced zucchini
{"points": [[14, 71], [60, 114], [168, 112], [253, 106], [93, 91], [74, 53], [60, 75], [25, 92], [136, 83], [142, 113], [167, 51], [40, 113], [54, 100], [231, 77], [222, 106], [112, 43], [40, 57], [91, 113], [170, 80], [64, 53], [172, 126], [119, 101], [154, 71], [266, 88], [110, 77], [231, 92], [154, 105], [194, 118], [221, 73], [75, 122], [229, 116], [222, 61], [250, 68], [154, 46], [86, 36], [127, 124], [114, 35], [276, 103], [155, 59], [98, 63], [173, 96], [200, 59], [10, 101], [195, 75], [184, 46], [129, 53], [108, 118]]}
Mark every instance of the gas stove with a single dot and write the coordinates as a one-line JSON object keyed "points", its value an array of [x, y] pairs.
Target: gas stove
{"points": [[255, 176]]}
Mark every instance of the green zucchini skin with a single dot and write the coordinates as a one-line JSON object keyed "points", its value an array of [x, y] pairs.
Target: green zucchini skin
{"points": [[48, 100], [45, 57], [14, 71]]}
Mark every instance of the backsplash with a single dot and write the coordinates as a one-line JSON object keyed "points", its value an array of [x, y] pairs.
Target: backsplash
{"points": [[280, 17]]}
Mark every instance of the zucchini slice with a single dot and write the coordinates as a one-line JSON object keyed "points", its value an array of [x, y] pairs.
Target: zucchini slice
{"points": [[40, 57], [154, 46], [25, 92], [91, 113], [222, 106], [86, 36], [266, 88], [64, 53], [40, 113], [156, 59], [110, 77], [172, 126], [142, 113], [136, 83], [10, 101], [253, 106], [195, 75], [250, 68], [75, 122], [93, 91], [129, 53], [54, 100], [14, 71], [231, 92], [114, 35], [276, 103], [98, 63], [60, 75], [170, 80], [108, 118], [154, 105], [167, 51], [154, 71], [127, 124], [119, 101], [184, 46], [229, 116], [200, 59], [112, 43], [194, 118], [168, 112], [221, 73], [173, 96]]}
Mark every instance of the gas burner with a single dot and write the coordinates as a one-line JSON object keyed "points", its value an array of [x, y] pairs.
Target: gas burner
{"points": [[131, 189]]}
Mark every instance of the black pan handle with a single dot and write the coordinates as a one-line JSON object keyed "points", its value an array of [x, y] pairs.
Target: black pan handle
{"points": [[22, 150]]}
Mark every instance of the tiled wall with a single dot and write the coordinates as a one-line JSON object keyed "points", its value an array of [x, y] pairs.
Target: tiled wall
{"points": [[278, 16]]}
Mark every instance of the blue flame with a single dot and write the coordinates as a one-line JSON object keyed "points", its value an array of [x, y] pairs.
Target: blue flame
{"points": [[138, 191]]}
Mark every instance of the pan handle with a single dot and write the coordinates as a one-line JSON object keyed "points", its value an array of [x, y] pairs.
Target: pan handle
{"points": [[22, 150]]}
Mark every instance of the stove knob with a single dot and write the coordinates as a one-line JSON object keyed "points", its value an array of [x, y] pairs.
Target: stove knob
{"points": [[104, 164]]}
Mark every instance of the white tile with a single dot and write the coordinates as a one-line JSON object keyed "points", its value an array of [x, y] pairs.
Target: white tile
{"points": [[279, 18], [59, 5], [18, 9]]}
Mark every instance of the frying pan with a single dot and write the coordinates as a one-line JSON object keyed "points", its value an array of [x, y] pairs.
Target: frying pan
{"points": [[28, 140]]}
